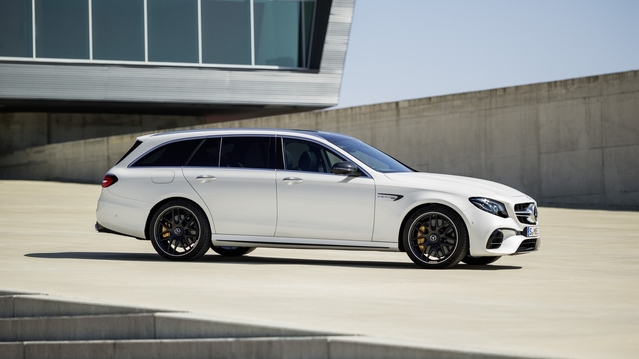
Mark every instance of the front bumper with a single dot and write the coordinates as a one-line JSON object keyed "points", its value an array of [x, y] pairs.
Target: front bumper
{"points": [[492, 235]]}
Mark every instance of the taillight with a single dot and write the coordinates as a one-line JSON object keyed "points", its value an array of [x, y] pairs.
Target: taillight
{"points": [[109, 180]]}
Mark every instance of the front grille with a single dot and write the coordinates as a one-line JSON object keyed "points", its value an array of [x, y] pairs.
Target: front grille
{"points": [[527, 245], [526, 213]]}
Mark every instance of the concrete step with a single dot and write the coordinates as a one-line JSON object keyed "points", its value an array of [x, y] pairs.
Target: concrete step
{"points": [[136, 326], [15, 305], [232, 348], [39, 326]]}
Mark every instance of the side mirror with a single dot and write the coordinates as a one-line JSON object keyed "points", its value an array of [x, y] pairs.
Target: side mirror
{"points": [[346, 168]]}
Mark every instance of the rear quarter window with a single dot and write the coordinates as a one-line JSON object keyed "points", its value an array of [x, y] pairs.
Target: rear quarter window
{"points": [[135, 145], [174, 154]]}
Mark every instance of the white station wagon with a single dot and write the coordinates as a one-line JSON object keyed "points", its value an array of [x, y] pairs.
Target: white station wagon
{"points": [[233, 190]]}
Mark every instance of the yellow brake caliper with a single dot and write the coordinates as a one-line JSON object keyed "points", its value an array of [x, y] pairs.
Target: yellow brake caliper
{"points": [[421, 232], [165, 232]]}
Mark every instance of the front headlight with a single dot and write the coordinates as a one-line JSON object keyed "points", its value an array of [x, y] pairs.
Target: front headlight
{"points": [[490, 206]]}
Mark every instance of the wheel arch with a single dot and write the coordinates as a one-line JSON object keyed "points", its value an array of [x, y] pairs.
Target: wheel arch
{"points": [[400, 242], [166, 200]]}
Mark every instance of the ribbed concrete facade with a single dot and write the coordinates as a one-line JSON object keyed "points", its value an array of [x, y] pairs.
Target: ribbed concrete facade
{"points": [[566, 143]]}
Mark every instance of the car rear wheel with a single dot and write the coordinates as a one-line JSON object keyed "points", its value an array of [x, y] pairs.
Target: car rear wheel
{"points": [[479, 261], [180, 231], [228, 251], [435, 237]]}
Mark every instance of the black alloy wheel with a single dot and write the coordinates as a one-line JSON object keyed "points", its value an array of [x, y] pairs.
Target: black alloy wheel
{"points": [[180, 231], [435, 237]]}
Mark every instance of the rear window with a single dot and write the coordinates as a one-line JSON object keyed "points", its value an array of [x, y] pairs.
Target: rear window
{"points": [[135, 145], [174, 154]]}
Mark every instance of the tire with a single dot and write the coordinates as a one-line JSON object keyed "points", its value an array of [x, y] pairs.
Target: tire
{"points": [[435, 237], [232, 251], [479, 261], [180, 231]]}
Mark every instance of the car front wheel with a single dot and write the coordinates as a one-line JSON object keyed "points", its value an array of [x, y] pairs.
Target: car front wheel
{"points": [[435, 237], [180, 231]]}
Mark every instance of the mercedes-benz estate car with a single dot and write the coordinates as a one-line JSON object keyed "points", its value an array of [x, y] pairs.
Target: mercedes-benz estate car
{"points": [[233, 190]]}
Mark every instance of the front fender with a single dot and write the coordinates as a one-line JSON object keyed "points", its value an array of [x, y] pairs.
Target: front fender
{"points": [[390, 214]]}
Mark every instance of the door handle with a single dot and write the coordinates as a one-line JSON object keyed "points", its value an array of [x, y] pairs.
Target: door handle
{"points": [[293, 180], [205, 178]]}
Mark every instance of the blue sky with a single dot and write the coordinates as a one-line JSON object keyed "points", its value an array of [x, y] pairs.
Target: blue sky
{"points": [[403, 49]]}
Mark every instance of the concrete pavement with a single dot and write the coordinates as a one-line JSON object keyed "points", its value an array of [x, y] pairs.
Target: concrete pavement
{"points": [[576, 298]]}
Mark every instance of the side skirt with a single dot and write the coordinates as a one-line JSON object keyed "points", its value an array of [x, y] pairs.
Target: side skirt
{"points": [[278, 242]]}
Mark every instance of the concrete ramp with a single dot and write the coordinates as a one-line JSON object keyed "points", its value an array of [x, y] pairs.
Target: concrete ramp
{"points": [[41, 326]]}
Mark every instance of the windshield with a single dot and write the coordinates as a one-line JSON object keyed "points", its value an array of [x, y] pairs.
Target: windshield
{"points": [[371, 156]]}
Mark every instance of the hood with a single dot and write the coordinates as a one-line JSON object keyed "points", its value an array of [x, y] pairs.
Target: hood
{"points": [[472, 187]]}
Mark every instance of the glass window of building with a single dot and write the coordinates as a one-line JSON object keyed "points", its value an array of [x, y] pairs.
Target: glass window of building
{"points": [[198, 32], [282, 34], [118, 29], [173, 30], [226, 32], [16, 39], [62, 29]]}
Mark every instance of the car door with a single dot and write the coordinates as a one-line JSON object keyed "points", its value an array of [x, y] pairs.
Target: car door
{"points": [[235, 177], [317, 204]]}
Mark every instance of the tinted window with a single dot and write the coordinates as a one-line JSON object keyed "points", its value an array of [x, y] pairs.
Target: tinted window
{"points": [[207, 155], [247, 152], [62, 29], [282, 32], [118, 29], [15, 28], [135, 145], [307, 156], [226, 32], [174, 154], [173, 30]]}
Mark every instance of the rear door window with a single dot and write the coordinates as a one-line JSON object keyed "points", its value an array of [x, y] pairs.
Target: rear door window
{"points": [[248, 152], [207, 155]]}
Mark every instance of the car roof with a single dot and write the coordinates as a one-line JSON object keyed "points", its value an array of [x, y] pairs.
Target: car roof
{"points": [[231, 131]]}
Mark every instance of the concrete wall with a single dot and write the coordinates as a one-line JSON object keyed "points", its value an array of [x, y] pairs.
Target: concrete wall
{"points": [[568, 143], [29, 129]]}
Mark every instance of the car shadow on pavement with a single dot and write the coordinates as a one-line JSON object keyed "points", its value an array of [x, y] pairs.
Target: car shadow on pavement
{"points": [[111, 256], [257, 260]]}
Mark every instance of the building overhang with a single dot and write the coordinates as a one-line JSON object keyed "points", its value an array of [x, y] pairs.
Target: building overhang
{"points": [[71, 86]]}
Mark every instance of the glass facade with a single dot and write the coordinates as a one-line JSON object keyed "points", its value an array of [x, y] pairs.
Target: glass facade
{"points": [[118, 29], [173, 30], [246, 33], [226, 32], [281, 33], [62, 29], [15, 28]]}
